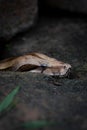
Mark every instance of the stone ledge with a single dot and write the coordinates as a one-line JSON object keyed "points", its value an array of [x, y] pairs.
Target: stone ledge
{"points": [[16, 16]]}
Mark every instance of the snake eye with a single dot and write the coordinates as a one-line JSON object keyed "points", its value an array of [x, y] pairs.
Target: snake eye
{"points": [[43, 66]]}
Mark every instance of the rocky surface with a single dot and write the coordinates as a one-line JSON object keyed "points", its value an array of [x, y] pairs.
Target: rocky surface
{"points": [[65, 104], [16, 16], [62, 100]]}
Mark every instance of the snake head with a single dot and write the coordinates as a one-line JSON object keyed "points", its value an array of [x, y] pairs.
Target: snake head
{"points": [[61, 70]]}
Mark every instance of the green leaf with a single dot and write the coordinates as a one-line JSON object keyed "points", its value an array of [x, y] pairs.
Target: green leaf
{"points": [[8, 100], [36, 124]]}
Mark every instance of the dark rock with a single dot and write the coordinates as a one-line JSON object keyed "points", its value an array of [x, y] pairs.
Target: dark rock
{"points": [[61, 38], [16, 16], [65, 104]]}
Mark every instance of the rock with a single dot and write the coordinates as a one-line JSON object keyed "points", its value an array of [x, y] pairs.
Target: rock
{"points": [[61, 38], [40, 99], [16, 16], [71, 5]]}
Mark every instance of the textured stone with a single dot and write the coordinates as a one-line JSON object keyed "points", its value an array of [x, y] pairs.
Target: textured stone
{"points": [[65, 104], [16, 16]]}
